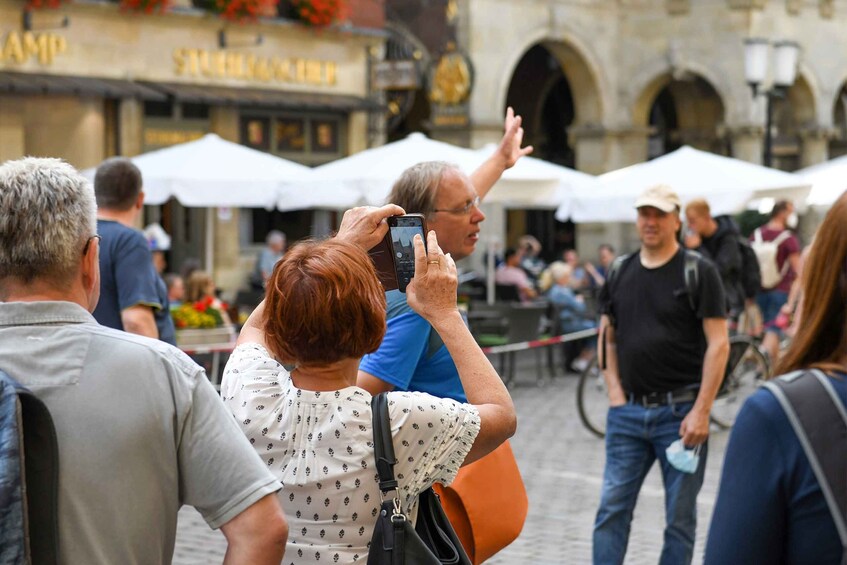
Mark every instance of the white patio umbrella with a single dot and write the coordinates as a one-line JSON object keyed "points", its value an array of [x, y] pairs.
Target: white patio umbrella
{"points": [[727, 184], [828, 180], [370, 174], [213, 172], [535, 183]]}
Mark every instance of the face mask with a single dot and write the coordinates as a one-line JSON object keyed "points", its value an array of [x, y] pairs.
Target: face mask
{"points": [[792, 220], [685, 460]]}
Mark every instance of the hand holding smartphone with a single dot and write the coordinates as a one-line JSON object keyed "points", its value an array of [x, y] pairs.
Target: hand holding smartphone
{"points": [[394, 256]]}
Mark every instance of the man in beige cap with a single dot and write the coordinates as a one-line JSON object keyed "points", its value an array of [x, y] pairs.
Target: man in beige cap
{"points": [[663, 346]]}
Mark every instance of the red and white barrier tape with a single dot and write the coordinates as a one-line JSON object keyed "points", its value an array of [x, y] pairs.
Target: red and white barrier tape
{"points": [[582, 334]]}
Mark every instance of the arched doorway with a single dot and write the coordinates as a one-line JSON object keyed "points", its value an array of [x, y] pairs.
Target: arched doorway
{"points": [[838, 143], [683, 110], [792, 113], [554, 90]]}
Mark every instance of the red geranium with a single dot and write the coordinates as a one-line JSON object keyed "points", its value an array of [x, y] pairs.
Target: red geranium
{"points": [[320, 13], [146, 6], [38, 4], [244, 10]]}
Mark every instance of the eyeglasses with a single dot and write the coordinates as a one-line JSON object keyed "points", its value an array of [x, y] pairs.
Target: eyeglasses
{"points": [[463, 210], [88, 243]]}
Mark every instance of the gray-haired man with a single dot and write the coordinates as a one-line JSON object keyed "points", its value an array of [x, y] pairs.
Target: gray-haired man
{"points": [[140, 429]]}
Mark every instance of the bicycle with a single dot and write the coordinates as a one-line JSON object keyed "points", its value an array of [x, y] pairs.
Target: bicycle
{"points": [[747, 368]]}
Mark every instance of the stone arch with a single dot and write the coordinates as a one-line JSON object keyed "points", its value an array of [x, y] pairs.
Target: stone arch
{"points": [[680, 108], [588, 83], [656, 76], [838, 141], [793, 115]]}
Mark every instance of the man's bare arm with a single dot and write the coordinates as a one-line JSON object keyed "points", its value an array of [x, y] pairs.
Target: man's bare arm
{"points": [[257, 536], [694, 429], [504, 157], [140, 320], [617, 396]]}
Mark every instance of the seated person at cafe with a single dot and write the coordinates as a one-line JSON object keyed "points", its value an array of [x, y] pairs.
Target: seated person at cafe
{"points": [[511, 273], [572, 310]]}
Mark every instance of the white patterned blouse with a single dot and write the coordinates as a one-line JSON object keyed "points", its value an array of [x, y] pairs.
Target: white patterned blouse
{"points": [[320, 445]]}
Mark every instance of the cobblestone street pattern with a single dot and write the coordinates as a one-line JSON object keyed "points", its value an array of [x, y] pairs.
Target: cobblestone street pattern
{"points": [[562, 466]]}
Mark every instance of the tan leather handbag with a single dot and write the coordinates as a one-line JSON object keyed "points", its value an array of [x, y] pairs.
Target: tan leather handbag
{"points": [[487, 503]]}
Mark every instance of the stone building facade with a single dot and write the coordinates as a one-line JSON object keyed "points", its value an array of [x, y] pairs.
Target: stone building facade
{"points": [[607, 83]]}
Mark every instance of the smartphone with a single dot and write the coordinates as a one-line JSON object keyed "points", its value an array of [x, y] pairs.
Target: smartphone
{"points": [[401, 234], [394, 256]]}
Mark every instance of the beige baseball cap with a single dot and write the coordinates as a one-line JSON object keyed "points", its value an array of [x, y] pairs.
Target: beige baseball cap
{"points": [[660, 196]]}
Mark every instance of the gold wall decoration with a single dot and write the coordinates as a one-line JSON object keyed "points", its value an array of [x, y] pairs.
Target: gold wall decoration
{"points": [[450, 80], [20, 48]]}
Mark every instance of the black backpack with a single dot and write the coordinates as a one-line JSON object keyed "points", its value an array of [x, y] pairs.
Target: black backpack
{"points": [[750, 275], [29, 487]]}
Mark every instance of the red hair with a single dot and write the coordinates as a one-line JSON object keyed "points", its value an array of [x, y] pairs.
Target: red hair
{"points": [[324, 304]]}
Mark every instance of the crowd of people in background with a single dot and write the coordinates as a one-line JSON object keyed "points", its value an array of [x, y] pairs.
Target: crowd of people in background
{"points": [[134, 410]]}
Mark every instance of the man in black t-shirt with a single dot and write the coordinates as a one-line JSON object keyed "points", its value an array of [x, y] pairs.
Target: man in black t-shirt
{"points": [[664, 354]]}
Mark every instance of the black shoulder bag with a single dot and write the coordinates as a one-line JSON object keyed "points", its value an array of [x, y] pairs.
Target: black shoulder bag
{"points": [[395, 541]]}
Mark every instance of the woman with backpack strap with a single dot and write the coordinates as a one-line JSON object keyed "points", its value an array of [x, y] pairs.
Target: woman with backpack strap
{"points": [[783, 492]]}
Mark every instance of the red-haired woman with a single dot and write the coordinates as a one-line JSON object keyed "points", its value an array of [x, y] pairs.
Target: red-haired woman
{"points": [[771, 508], [323, 311]]}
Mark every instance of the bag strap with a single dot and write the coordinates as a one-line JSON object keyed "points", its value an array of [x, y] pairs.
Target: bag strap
{"points": [[383, 444], [820, 421], [691, 272]]}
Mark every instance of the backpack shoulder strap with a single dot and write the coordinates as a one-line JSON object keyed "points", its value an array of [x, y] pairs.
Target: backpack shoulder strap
{"points": [[615, 268], [757, 235], [820, 421], [692, 277]]}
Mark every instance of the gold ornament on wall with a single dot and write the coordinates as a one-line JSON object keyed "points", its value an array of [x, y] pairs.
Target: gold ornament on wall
{"points": [[451, 80]]}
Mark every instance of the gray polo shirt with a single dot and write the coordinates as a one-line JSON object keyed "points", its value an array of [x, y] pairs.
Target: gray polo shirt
{"points": [[140, 429]]}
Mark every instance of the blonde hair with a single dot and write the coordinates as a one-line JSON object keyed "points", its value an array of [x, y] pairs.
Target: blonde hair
{"points": [[552, 274], [699, 207]]}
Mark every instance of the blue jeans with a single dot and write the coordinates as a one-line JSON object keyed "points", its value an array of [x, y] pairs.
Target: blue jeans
{"points": [[635, 438], [770, 302]]}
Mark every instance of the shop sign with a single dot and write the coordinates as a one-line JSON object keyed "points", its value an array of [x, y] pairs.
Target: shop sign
{"points": [[228, 65], [396, 75], [158, 137], [20, 48]]}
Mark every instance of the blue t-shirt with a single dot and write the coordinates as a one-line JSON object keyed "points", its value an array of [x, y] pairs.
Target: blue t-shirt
{"points": [[164, 321], [127, 276], [770, 508], [412, 356]]}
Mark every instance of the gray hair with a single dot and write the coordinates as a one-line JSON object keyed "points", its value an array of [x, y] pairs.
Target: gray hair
{"points": [[275, 236], [47, 212], [416, 188]]}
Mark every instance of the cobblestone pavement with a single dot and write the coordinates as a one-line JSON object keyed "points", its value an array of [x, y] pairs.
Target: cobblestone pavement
{"points": [[562, 466]]}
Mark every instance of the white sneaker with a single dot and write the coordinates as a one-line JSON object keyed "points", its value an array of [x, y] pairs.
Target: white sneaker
{"points": [[579, 364]]}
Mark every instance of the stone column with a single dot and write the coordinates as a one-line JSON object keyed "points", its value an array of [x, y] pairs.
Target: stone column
{"points": [[130, 127], [814, 146], [227, 272], [748, 143], [12, 132]]}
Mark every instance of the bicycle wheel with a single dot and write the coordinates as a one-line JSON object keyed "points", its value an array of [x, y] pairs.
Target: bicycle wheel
{"points": [[592, 399], [747, 369]]}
